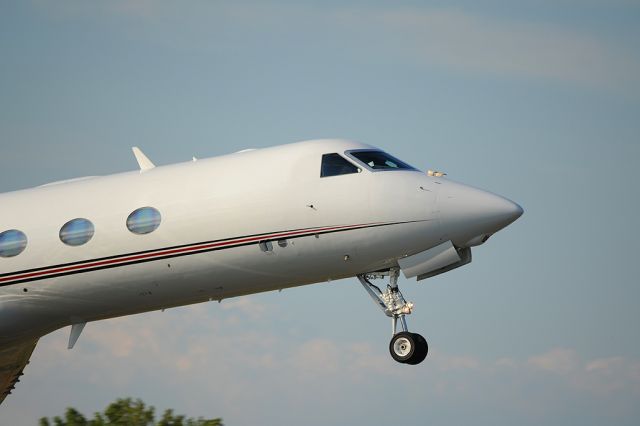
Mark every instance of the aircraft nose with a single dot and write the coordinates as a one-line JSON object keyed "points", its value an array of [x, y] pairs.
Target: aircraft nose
{"points": [[470, 215]]}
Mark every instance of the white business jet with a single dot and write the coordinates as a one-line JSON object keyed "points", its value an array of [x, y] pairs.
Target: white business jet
{"points": [[93, 248]]}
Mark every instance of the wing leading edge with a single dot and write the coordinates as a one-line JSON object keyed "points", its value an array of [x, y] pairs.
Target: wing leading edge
{"points": [[13, 359]]}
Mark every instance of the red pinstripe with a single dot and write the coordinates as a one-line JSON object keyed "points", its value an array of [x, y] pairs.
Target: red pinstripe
{"points": [[180, 250]]}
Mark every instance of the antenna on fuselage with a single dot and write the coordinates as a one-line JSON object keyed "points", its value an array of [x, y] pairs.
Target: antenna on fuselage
{"points": [[143, 160]]}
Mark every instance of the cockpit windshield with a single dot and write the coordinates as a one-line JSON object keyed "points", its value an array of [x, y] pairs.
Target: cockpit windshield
{"points": [[378, 160], [335, 165]]}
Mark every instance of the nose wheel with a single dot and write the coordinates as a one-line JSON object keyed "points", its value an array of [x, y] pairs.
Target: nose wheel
{"points": [[408, 348], [405, 347]]}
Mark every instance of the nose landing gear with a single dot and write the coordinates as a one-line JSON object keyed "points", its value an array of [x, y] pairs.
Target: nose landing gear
{"points": [[405, 347]]}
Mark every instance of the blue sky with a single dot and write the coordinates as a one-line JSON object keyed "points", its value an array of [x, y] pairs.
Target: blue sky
{"points": [[535, 100]]}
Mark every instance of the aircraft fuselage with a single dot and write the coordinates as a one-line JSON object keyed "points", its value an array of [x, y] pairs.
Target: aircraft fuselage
{"points": [[239, 224]]}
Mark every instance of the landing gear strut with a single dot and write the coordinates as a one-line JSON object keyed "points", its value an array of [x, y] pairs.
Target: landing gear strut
{"points": [[405, 347]]}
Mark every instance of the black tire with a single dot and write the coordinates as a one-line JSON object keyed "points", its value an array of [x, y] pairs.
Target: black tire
{"points": [[422, 348], [403, 346]]}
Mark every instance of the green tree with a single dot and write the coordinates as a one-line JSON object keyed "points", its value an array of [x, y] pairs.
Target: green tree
{"points": [[71, 418], [127, 412]]}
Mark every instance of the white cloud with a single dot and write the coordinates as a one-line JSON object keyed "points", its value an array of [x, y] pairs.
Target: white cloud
{"points": [[456, 39], [560, 361], [446, 363], [450, 38], [194, 358], [245, 306]]}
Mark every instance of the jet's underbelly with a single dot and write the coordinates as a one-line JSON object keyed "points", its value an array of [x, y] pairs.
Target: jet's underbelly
{"points": [[261, 266]]}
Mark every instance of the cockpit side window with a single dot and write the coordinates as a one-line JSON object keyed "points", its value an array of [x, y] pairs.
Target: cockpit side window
{"points": [[378, 160], [334, 165]]}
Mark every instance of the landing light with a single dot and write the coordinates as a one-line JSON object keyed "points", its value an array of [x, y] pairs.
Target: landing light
{"points": [[435, 173]]}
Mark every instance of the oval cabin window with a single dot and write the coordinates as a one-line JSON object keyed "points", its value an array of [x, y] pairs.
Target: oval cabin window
{"points": [[77, 232], [144, 220], [12, 243]]}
